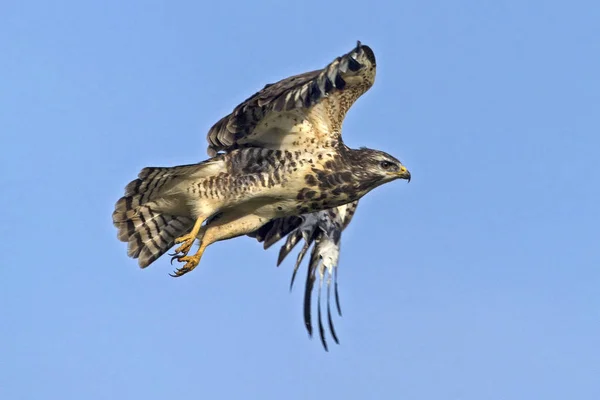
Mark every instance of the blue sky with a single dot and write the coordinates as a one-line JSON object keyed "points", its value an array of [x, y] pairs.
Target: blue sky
{"points": [[478, 280]]}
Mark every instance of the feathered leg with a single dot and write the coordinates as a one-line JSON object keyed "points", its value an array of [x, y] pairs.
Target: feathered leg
{"points": [[227, 226]]}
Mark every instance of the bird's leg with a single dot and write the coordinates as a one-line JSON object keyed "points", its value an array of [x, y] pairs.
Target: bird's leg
{"points": [[224, 228], [188, 239]]}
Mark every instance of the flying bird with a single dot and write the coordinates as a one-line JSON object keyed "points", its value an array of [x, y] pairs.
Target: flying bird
{"points": [[278, 167]]}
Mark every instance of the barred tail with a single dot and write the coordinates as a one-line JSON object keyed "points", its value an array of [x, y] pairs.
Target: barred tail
{"points": [[148, 231]]}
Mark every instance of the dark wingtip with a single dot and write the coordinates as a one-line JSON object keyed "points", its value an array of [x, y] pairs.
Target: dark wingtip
{"points": [[299, 261], [307, 306], [308, 325], [369, 54], [281, 256], [309, 329], [336, 294], [329, 320], [293, 278], [321, 329], [331, 328]]}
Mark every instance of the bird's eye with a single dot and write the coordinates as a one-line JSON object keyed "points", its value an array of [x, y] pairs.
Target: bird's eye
{"points": [[386, 164]]}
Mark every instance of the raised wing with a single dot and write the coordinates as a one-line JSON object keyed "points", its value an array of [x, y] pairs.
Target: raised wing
{"points": [[299, 111], [324, 229]]}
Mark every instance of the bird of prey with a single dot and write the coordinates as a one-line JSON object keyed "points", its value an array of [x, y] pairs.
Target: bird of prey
{"points": [[278, 168]]}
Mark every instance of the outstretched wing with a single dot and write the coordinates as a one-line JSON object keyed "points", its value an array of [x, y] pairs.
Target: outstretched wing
{"points": [[301, 111], [324, 229]]}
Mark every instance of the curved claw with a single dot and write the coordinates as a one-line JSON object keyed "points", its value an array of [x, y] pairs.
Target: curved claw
{"points": [[191, 262], [175, 256], [179, 272]]}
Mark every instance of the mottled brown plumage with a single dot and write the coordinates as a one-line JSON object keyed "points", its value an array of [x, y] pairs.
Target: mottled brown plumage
{"points": [[298, 112], [277, 159]]}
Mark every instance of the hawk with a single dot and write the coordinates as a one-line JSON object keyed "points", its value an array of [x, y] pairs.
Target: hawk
{"points": [[278, 168]]}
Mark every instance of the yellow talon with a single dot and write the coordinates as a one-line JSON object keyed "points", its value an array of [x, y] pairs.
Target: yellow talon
{"points": [[191, 262]]}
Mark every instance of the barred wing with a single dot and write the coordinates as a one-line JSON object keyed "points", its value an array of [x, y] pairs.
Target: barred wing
{"points": [[300, 111], [324, 229]]}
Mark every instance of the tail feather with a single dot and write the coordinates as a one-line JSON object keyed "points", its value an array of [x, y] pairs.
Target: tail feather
{"points": [[148, 231], [150, 234], [152, 182]]}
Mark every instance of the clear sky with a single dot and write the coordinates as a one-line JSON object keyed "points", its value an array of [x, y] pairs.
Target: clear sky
{"points": [[478, 280]]}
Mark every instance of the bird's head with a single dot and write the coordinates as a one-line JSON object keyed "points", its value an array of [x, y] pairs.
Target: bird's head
{"points": [[377, 167]]}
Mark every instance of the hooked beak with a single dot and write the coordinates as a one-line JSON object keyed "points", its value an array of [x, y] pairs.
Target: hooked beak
{"points": [[403, 173]]}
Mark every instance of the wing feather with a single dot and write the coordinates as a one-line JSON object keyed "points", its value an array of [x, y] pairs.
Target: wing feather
{"points": [[324, 229], [272, 115]]}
